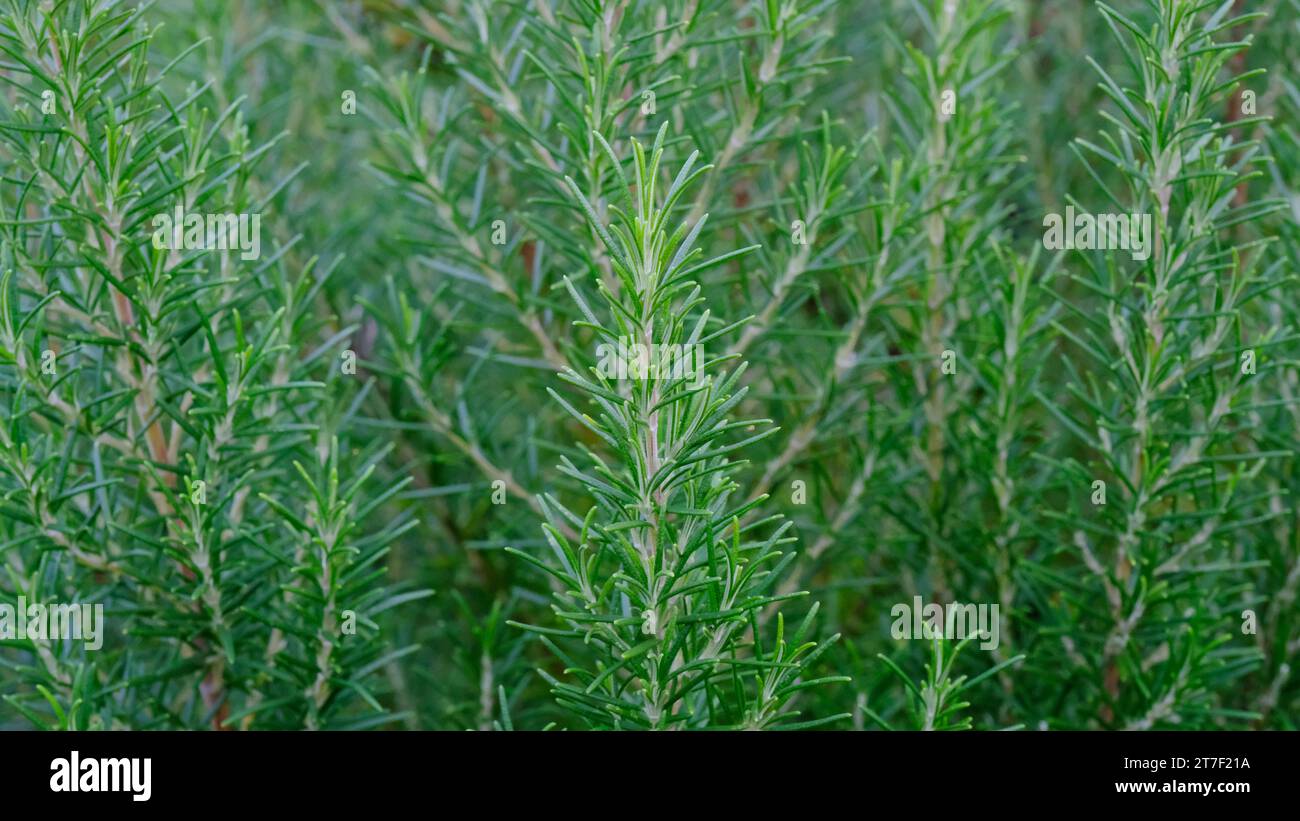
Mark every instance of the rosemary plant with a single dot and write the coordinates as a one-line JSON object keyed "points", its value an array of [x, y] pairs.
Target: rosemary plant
{"points": [[686, 364], [154, 397], [662, 579], [1173, 475]]}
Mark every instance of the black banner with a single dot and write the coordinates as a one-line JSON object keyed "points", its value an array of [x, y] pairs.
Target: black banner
{"points": [[134, 771]]}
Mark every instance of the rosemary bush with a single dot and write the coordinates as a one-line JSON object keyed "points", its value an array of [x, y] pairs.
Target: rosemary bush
{"points": [[616, 364]]}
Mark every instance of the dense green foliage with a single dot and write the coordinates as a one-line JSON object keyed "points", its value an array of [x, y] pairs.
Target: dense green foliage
{"points": [[382, 473]]}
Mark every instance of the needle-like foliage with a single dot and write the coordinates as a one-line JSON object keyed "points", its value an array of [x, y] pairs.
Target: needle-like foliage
{"points": [[907, 364]]}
